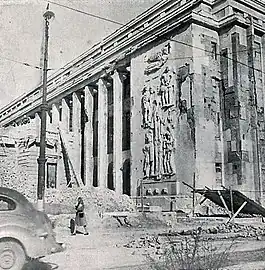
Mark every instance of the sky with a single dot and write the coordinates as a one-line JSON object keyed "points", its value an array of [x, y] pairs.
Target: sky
{"points": [[71, 33]]}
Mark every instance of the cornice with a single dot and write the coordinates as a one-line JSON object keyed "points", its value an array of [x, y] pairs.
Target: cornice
{"points": [[154, 24], [93, 61]]}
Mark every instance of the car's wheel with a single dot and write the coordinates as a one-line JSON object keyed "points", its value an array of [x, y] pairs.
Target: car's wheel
{"points": [[12, 255]]}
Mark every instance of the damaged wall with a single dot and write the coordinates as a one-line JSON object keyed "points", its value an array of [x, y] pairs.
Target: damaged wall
{"points": [[163, 153], [243, 111]]}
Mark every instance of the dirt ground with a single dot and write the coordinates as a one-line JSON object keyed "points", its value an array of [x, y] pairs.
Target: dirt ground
{"points": [[116, 247]]}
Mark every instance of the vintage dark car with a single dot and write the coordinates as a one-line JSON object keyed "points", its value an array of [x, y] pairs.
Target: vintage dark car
{"points": [[24, 232]]}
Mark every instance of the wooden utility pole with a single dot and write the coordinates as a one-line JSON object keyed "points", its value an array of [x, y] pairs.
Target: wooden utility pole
{"points": [[44, 107]]}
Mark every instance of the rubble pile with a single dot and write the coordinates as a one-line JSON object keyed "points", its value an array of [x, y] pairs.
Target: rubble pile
{"points": [[60, 200], [147, 241], [238, 230], [13, 176], [98, 199]]}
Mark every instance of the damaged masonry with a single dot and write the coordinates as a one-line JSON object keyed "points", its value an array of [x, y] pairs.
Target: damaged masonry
{"points": [[175, 96]]}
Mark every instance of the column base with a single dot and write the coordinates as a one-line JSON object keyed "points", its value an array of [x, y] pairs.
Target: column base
{"points": [[40, 205]]}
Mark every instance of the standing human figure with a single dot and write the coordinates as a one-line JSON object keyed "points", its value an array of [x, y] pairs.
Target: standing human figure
{"points": [[80, 218]]}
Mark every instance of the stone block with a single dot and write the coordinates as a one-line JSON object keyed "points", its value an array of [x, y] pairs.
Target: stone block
{"points": [[155, 208]]}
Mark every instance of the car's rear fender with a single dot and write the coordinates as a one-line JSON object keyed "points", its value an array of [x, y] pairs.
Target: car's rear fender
{"points": [[12, 239], [31, 244]]}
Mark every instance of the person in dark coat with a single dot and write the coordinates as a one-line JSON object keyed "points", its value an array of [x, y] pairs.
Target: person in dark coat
{"points": [[80, 217]]}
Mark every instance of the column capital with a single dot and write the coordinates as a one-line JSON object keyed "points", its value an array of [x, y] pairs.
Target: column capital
{"points": [[121, 74], [91, 89], [107, 70], [102, 82]]}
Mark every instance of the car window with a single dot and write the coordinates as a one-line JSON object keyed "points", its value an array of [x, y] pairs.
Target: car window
{"points": [[6, 204]]}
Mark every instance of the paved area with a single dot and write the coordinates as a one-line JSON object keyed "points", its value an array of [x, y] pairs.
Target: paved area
{"points": [[98, 250], [103, 249]]}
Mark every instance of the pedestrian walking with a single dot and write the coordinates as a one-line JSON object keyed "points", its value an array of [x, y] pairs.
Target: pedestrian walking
{"points": [[80, 217]]}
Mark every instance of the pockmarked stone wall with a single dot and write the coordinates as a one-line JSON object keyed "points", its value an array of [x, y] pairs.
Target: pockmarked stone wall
{"points": [[162, 140], [14, 176]]}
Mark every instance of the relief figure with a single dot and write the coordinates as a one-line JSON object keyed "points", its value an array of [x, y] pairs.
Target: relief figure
{"points": [[167, 88], [157, 120], [158, 168], [157, 125], [168, 148], [146, 106], [148, 150]]}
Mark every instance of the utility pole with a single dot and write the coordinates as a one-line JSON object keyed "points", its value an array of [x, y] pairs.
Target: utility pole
{"points": [[44, 107]]}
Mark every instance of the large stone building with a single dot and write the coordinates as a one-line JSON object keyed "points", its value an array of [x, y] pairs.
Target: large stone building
{"points": [[174, 95]]}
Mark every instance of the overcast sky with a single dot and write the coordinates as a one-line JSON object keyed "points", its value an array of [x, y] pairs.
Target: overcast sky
{"points": [[71, 34]]}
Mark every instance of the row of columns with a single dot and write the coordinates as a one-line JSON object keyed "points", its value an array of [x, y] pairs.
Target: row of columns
{"points": [[102, 116]]}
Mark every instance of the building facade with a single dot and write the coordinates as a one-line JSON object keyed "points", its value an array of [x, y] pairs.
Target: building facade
{"points": [[176, 95]]}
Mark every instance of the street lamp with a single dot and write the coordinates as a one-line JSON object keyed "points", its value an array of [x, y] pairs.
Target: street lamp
{"points": [[48, 15]]}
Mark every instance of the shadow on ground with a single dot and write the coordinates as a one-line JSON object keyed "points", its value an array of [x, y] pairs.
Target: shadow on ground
{"points": [[38, 265]]}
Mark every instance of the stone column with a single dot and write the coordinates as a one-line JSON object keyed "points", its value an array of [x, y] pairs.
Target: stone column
{"points": [[88, 136], [48, 121], [60, 165], [65, 116], [37, 124], [117, 131], [77, 134], [102, 133], [55, 115]]}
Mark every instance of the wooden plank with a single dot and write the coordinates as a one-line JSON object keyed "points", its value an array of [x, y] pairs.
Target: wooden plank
{"points": [[224, 203], [78, 181], [120, 214], [237, 212]]}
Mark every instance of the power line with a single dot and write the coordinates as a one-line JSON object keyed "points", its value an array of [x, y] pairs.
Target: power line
{"points": [[23, 63], [171, 39], [112, 21], [86, 13]]}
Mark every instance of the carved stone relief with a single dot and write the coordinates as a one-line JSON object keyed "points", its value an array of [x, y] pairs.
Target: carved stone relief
{"points": [[161, 106], [147, 94], [157, 120], [168, 148], [156, 60], [148, 151], [167, 88]]}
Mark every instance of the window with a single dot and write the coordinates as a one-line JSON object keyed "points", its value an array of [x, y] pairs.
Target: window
{"points": [[51, 175], [110, 134], [257, 55], [218, 167], [214, 50], [71, 114], [218, 170], [126, 131], [6, 204]]}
